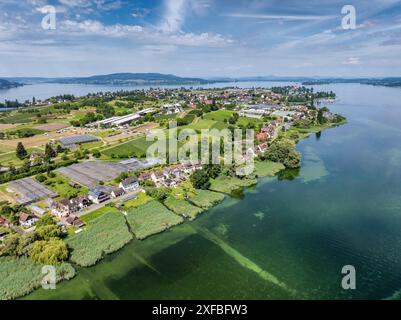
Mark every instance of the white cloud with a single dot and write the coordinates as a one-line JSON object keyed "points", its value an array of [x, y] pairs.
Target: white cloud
{"points": [[174, 16], [352, 61], [279, 17]]}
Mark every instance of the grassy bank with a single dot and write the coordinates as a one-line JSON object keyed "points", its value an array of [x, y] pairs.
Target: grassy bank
{"points": [[229, 184], [206, 199]]}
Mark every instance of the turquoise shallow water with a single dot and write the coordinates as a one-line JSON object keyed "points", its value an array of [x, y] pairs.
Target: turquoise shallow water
{"points": [[284, 239]]}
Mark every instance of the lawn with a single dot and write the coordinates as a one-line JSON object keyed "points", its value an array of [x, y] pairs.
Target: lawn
{"points": [[20, 276], [267, 168], [105, 133], [206, 199], [182, 207], [98, 213], [141, 198], [151, 218], [60, 185], [104, 235], [219, 115], [229, 184]]}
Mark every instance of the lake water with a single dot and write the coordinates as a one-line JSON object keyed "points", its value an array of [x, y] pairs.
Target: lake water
{"points": [[285, 239]]}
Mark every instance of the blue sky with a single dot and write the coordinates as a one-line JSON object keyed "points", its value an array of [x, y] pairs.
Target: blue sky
{"points": [[202, 38]]}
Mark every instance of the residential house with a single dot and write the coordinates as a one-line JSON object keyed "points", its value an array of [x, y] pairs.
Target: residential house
{"points": [[66, 207], [4, 222], [36, 158], [129, 184], [158, 177], [117, 192], [27, 220], [74, 221], [262, 136], [99, 195], [145, 176]]}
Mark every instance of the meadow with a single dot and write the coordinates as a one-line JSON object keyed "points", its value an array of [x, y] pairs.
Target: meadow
{"points": [[229, 184]]}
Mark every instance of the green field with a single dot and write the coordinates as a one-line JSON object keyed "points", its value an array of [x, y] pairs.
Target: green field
{"points": [[219, 115], [20, 276], [182, 207], [244, 121], [229, 184], [151, 218], [206, 199], [132, 148], [105, 234], [87, 218]]}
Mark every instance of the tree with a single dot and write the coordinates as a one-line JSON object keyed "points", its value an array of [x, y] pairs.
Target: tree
{"points": [[157, 193], [21, 151], [53, 251], [41, 177], [47, 232], [200, 180], [49, 152], [284, 151], [46, 220], [320, 117], [10, 245]]}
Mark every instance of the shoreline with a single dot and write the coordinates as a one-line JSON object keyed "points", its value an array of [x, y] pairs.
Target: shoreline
{"points": [[232, 194]]}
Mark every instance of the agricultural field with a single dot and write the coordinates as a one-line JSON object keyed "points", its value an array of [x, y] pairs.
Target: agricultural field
{"points": [[20, 276], [151, 218], [103, 235], [219, 115], [53, 126], [132, 148], [206, 199], [182, 207], [267, 168], [244, 121], [229, 184]]}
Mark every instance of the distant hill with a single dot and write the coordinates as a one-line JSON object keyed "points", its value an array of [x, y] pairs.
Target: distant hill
{"points": [[387, 82], [5, 84], [132, 79]]}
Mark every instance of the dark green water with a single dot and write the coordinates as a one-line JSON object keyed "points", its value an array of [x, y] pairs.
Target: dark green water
{"points": [[284, 239]]}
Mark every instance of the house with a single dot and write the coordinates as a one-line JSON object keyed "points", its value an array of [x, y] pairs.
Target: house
{"points": [[98, 195], [27, 220], [4, 222], [261, 148], [158, 177], [75, 221], [117, 192], [262, 136], [169, 182], [66, 207], [145, 176], [129, 184]]}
